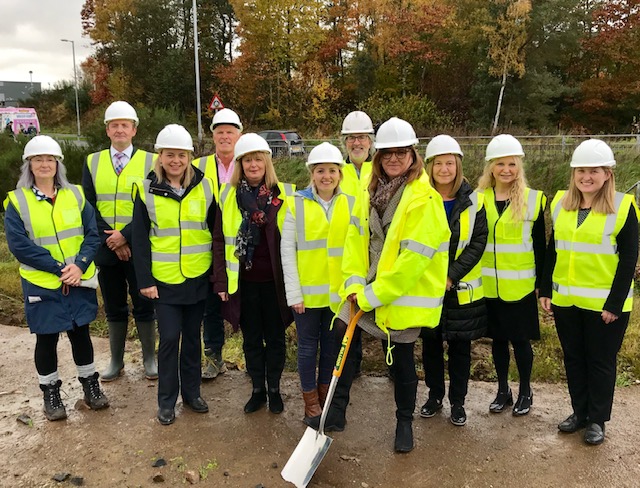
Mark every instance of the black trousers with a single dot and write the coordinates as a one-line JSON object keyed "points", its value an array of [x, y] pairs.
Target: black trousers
{"points": [[213, 323], [263, 333], [590, 350], [179, 352], [46, 352], [115, 283], [459, 366], [403, 368]]}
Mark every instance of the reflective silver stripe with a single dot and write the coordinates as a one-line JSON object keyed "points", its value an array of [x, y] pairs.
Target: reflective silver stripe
{"points": [[356, 222], [161, 257], [444, 247], [26, 267], [411, 301], [76, 193], [531, 207], [93, 165], [208, 191], [171, 232], [334, 297], [351, 200], [600, 293], [109, 220], [148, 163], [355, 280], [416, 247], [46, 241], [315, 290], [70, 259], [104, 196], [556, 211], [68, 233], [335, 252], [123, 196], [303, 243], [509, 274], [230, 241], [121, 219], [150, 201], [509, 248], [24, 212], [373, 300], [610, 222], [196, 249], [586, 247], [288, 189], [193, 225], [231, 266], [225, 192], [473, 211]]}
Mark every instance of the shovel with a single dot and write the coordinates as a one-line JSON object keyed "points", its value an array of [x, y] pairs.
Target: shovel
{"points": [[314, 445]]}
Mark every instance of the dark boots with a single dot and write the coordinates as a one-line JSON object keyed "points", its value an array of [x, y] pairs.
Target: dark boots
{"points": [[53, 406], [93, 395], [405, 395], [147, 336], [257, 400], [117, 339], [276, 405]]}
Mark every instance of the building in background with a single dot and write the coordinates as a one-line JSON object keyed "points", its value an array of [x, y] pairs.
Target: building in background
{"points": [[11, 92]]}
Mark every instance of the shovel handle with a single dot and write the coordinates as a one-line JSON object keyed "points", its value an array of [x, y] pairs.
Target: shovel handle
{"points": [[346, 340]]}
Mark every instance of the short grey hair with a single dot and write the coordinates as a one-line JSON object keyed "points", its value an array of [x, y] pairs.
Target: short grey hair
{"points": [[27, 179], [372, 151]]}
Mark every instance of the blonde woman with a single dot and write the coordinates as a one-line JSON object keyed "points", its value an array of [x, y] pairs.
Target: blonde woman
{"points": [[588, 283], [511, 266]]}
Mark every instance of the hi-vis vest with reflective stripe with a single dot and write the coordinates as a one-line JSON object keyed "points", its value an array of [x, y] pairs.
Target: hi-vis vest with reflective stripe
{"points": [[319, 248], [113, 192], [508, 262], [179, 235], [411, 278], [354, 185], [587, 256], [473, 279], [231, 220], [209, 166], [58, 228]]}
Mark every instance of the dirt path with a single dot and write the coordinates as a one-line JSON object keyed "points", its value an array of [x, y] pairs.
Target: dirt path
{"points": [[117, 447]]}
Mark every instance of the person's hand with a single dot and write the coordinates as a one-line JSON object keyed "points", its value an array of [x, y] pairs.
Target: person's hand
{"points": [[352, 298], [298, 308], [123, 253], [150, 293], [449, 283], [545, 303], [224, 296], [115, 239], [71, 275], [608, 317]]}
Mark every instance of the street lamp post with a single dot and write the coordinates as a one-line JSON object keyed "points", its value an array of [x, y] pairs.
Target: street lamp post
{"points": [[75, 81]]}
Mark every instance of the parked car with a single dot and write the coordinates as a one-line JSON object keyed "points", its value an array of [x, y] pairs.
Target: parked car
{"points": [[284, 142]]}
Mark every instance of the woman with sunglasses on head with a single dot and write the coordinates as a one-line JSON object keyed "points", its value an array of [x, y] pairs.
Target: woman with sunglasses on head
{"points": [[395, 270], [512, 265]]}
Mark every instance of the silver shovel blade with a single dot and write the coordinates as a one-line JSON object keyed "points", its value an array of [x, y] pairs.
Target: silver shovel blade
{"points": [[306, 458]]}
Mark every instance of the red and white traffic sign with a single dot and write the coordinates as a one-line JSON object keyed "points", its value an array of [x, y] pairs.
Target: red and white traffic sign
{"points": [[216, 103]]}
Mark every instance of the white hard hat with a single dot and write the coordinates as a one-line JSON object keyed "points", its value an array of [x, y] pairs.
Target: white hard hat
{"points": [[502, 146], [40, 146], [120, 110], [249, 143], [174, 136], [357, 123], [325, 153], [395, 132], [593, 153], [442, 144], [226, 116]]}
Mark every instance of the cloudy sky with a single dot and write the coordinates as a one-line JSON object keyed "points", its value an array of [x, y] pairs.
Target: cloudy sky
{"points": [[30, 40]]}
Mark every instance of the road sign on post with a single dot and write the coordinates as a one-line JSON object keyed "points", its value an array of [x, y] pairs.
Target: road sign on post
{"points": [[216, 103]]}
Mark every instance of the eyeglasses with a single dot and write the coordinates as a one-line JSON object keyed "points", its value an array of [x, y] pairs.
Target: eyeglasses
{"points": [[399, 154], [360, 138]]}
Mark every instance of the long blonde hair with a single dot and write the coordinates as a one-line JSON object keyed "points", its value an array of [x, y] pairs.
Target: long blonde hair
{"points": [[457, 181], [603, 201], [516, 191], [187, 177], [270, 177], [414, 171]]}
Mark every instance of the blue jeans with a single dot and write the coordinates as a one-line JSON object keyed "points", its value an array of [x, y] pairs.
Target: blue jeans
{"points": [[313, 329]]}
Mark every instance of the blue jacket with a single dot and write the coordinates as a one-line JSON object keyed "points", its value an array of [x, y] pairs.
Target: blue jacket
{"points": [[49, 311]]}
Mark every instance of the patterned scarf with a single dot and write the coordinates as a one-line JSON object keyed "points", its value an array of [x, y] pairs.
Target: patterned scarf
{"points": [[385, 191], [254, 206]]}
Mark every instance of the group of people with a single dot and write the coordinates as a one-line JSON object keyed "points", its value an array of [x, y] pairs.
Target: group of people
{"points": [[406, 240]]}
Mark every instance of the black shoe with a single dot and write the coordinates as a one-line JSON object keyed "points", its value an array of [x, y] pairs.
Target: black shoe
{"points": [[523, 405], [501, 401], [572, 424], [335, 422], [276, 405], [430, 408], [458, 415], [257, 400], [594, 434], [166, 416], [93, 395], [198, 405], [53, 407], [404, 436]]}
